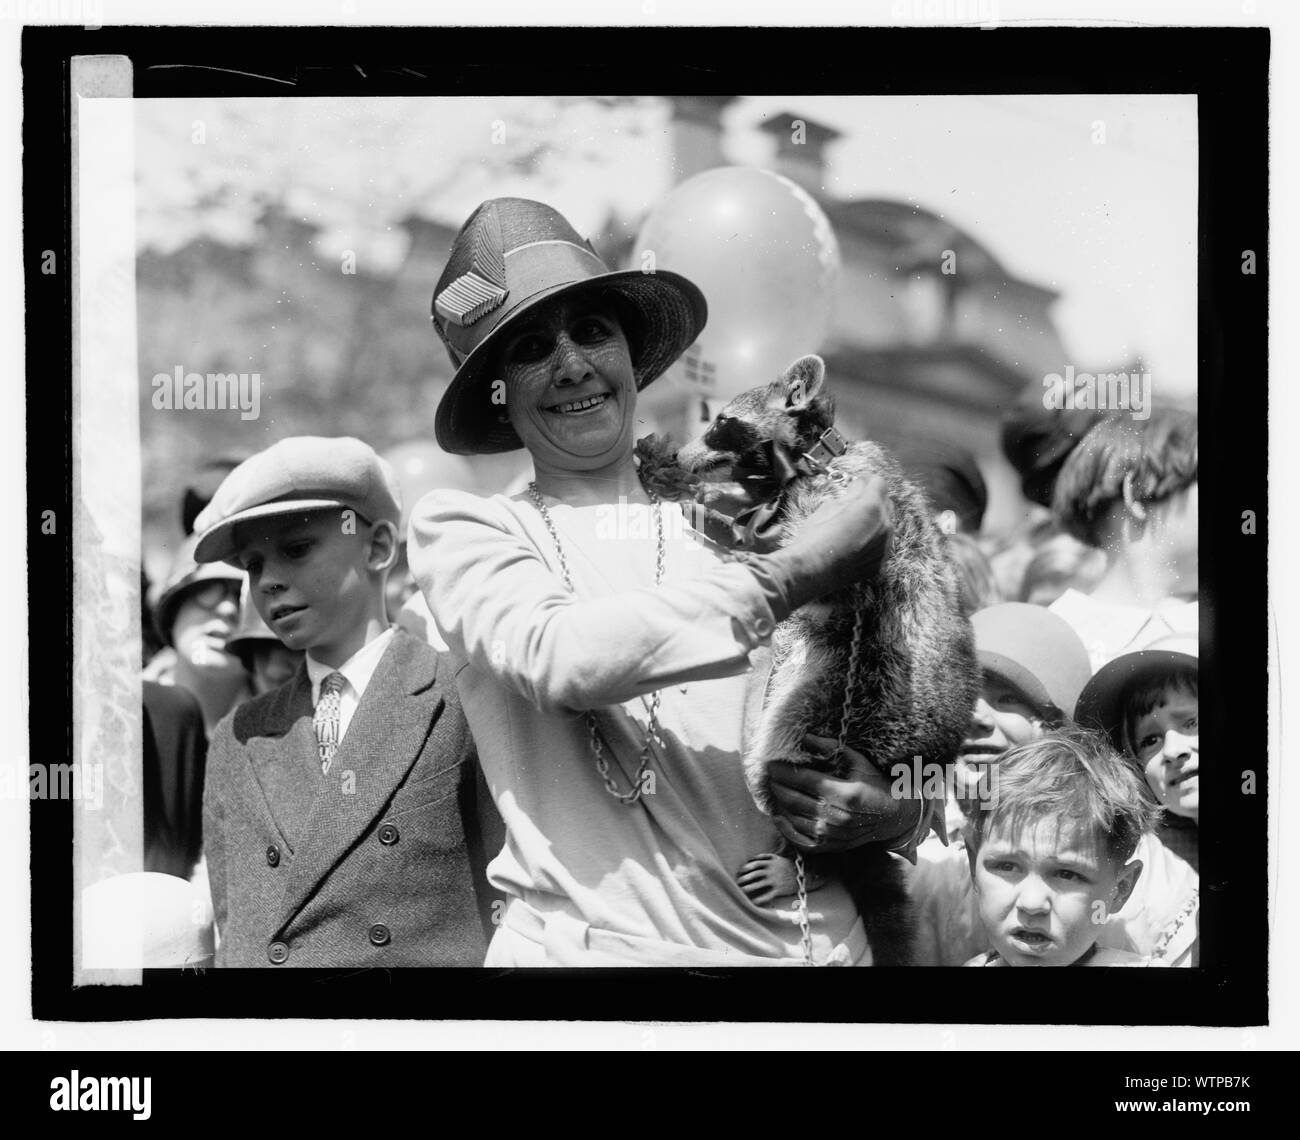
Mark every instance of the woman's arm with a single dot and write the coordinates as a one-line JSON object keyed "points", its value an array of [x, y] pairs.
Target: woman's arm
{"points": [[494, 599]]}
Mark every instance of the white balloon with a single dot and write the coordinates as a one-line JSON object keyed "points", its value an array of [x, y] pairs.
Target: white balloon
{"points": [[762, 251]]}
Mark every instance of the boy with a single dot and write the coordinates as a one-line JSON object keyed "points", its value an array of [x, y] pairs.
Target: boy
{"points": [[1148, 704], [1053, 856], [340, 809], [1032, 668]]}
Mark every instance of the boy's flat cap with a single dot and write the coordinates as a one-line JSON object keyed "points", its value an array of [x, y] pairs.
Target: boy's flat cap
{"points": [[302, 473]]}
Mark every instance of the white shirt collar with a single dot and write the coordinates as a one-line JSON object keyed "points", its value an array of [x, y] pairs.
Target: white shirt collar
{"points": [[357, 669]]}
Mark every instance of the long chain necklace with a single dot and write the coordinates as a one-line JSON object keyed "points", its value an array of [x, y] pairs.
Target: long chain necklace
{"points": [[652, 737]]}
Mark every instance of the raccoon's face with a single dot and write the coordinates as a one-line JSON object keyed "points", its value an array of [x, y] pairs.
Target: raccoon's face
{"points": [[785, 410], [734, 432]]}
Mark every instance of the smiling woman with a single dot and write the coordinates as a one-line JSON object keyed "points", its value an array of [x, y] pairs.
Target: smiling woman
{"points": [[606, 675], [570, 388]]}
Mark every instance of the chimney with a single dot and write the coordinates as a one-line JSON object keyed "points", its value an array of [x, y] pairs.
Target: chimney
{"points": [[800, 149], [697, 133]]}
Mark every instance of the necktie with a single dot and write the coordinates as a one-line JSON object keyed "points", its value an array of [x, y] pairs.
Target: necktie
{"points": [[326, 718]]}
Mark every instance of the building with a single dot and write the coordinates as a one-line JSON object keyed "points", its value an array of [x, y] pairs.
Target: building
{"points": [[932, 338]]}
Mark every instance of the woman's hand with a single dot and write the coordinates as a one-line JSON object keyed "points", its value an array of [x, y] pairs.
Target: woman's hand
{"points": [[817, 812], [843, 542]]}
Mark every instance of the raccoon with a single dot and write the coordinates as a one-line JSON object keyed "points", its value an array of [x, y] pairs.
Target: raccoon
{"points": [[916, 674]]}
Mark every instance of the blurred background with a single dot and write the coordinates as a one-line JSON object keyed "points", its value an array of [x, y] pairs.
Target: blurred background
{"points": [[300, 239]]}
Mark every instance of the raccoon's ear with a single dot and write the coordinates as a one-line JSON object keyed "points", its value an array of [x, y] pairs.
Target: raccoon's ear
{"points": [[803, 380]]}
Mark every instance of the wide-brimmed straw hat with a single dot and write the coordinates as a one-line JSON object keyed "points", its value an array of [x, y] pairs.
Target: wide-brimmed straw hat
{"points": [[511, 255]]}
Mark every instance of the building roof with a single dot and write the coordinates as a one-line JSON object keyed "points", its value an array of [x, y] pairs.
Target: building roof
{"points": [[920, 235]]}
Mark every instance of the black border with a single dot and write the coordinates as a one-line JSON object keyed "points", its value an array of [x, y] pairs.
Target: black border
{"points": [[1227, 68]]}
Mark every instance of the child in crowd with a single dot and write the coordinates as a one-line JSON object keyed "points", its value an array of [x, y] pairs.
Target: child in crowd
{"points": [[1147, 702], [1052, 857], [1130, 489], [340, 810], [1033, 667]]}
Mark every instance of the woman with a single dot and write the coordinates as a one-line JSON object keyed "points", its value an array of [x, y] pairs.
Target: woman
{"points": [[196, 616], [602, 645]]}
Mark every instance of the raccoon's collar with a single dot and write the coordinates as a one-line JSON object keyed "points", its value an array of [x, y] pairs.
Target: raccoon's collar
{"points": [[766, 472], [829, 444]]}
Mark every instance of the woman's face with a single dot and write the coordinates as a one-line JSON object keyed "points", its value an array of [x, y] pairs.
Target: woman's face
{"points": [[569, 388], [205, 619]]}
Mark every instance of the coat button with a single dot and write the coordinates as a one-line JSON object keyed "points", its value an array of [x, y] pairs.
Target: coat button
{"points": [[273, 856], [380, 935], [277, 953], [388, 834], [762, 627]]}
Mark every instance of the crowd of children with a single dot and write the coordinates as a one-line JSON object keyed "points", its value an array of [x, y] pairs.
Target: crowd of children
{"points": [[307, 759]]}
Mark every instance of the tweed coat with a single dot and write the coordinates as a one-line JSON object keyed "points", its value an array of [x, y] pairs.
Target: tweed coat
{"points": [[379, 863]]}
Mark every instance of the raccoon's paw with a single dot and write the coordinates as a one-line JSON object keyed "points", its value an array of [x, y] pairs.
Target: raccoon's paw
{"points": [[766, 878], [657, 464]]}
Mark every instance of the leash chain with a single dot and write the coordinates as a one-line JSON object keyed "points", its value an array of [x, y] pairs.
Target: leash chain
{"points": [[850, 691]]}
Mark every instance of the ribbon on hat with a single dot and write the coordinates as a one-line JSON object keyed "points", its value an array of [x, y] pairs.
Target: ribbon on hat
{"points": [[482, 287], [468, 299]]}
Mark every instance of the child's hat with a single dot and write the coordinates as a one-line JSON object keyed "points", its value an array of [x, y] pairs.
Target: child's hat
{"points": [[1101, 704], [302, 473], [1036, 650], [511, 255], [251, 627]]}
